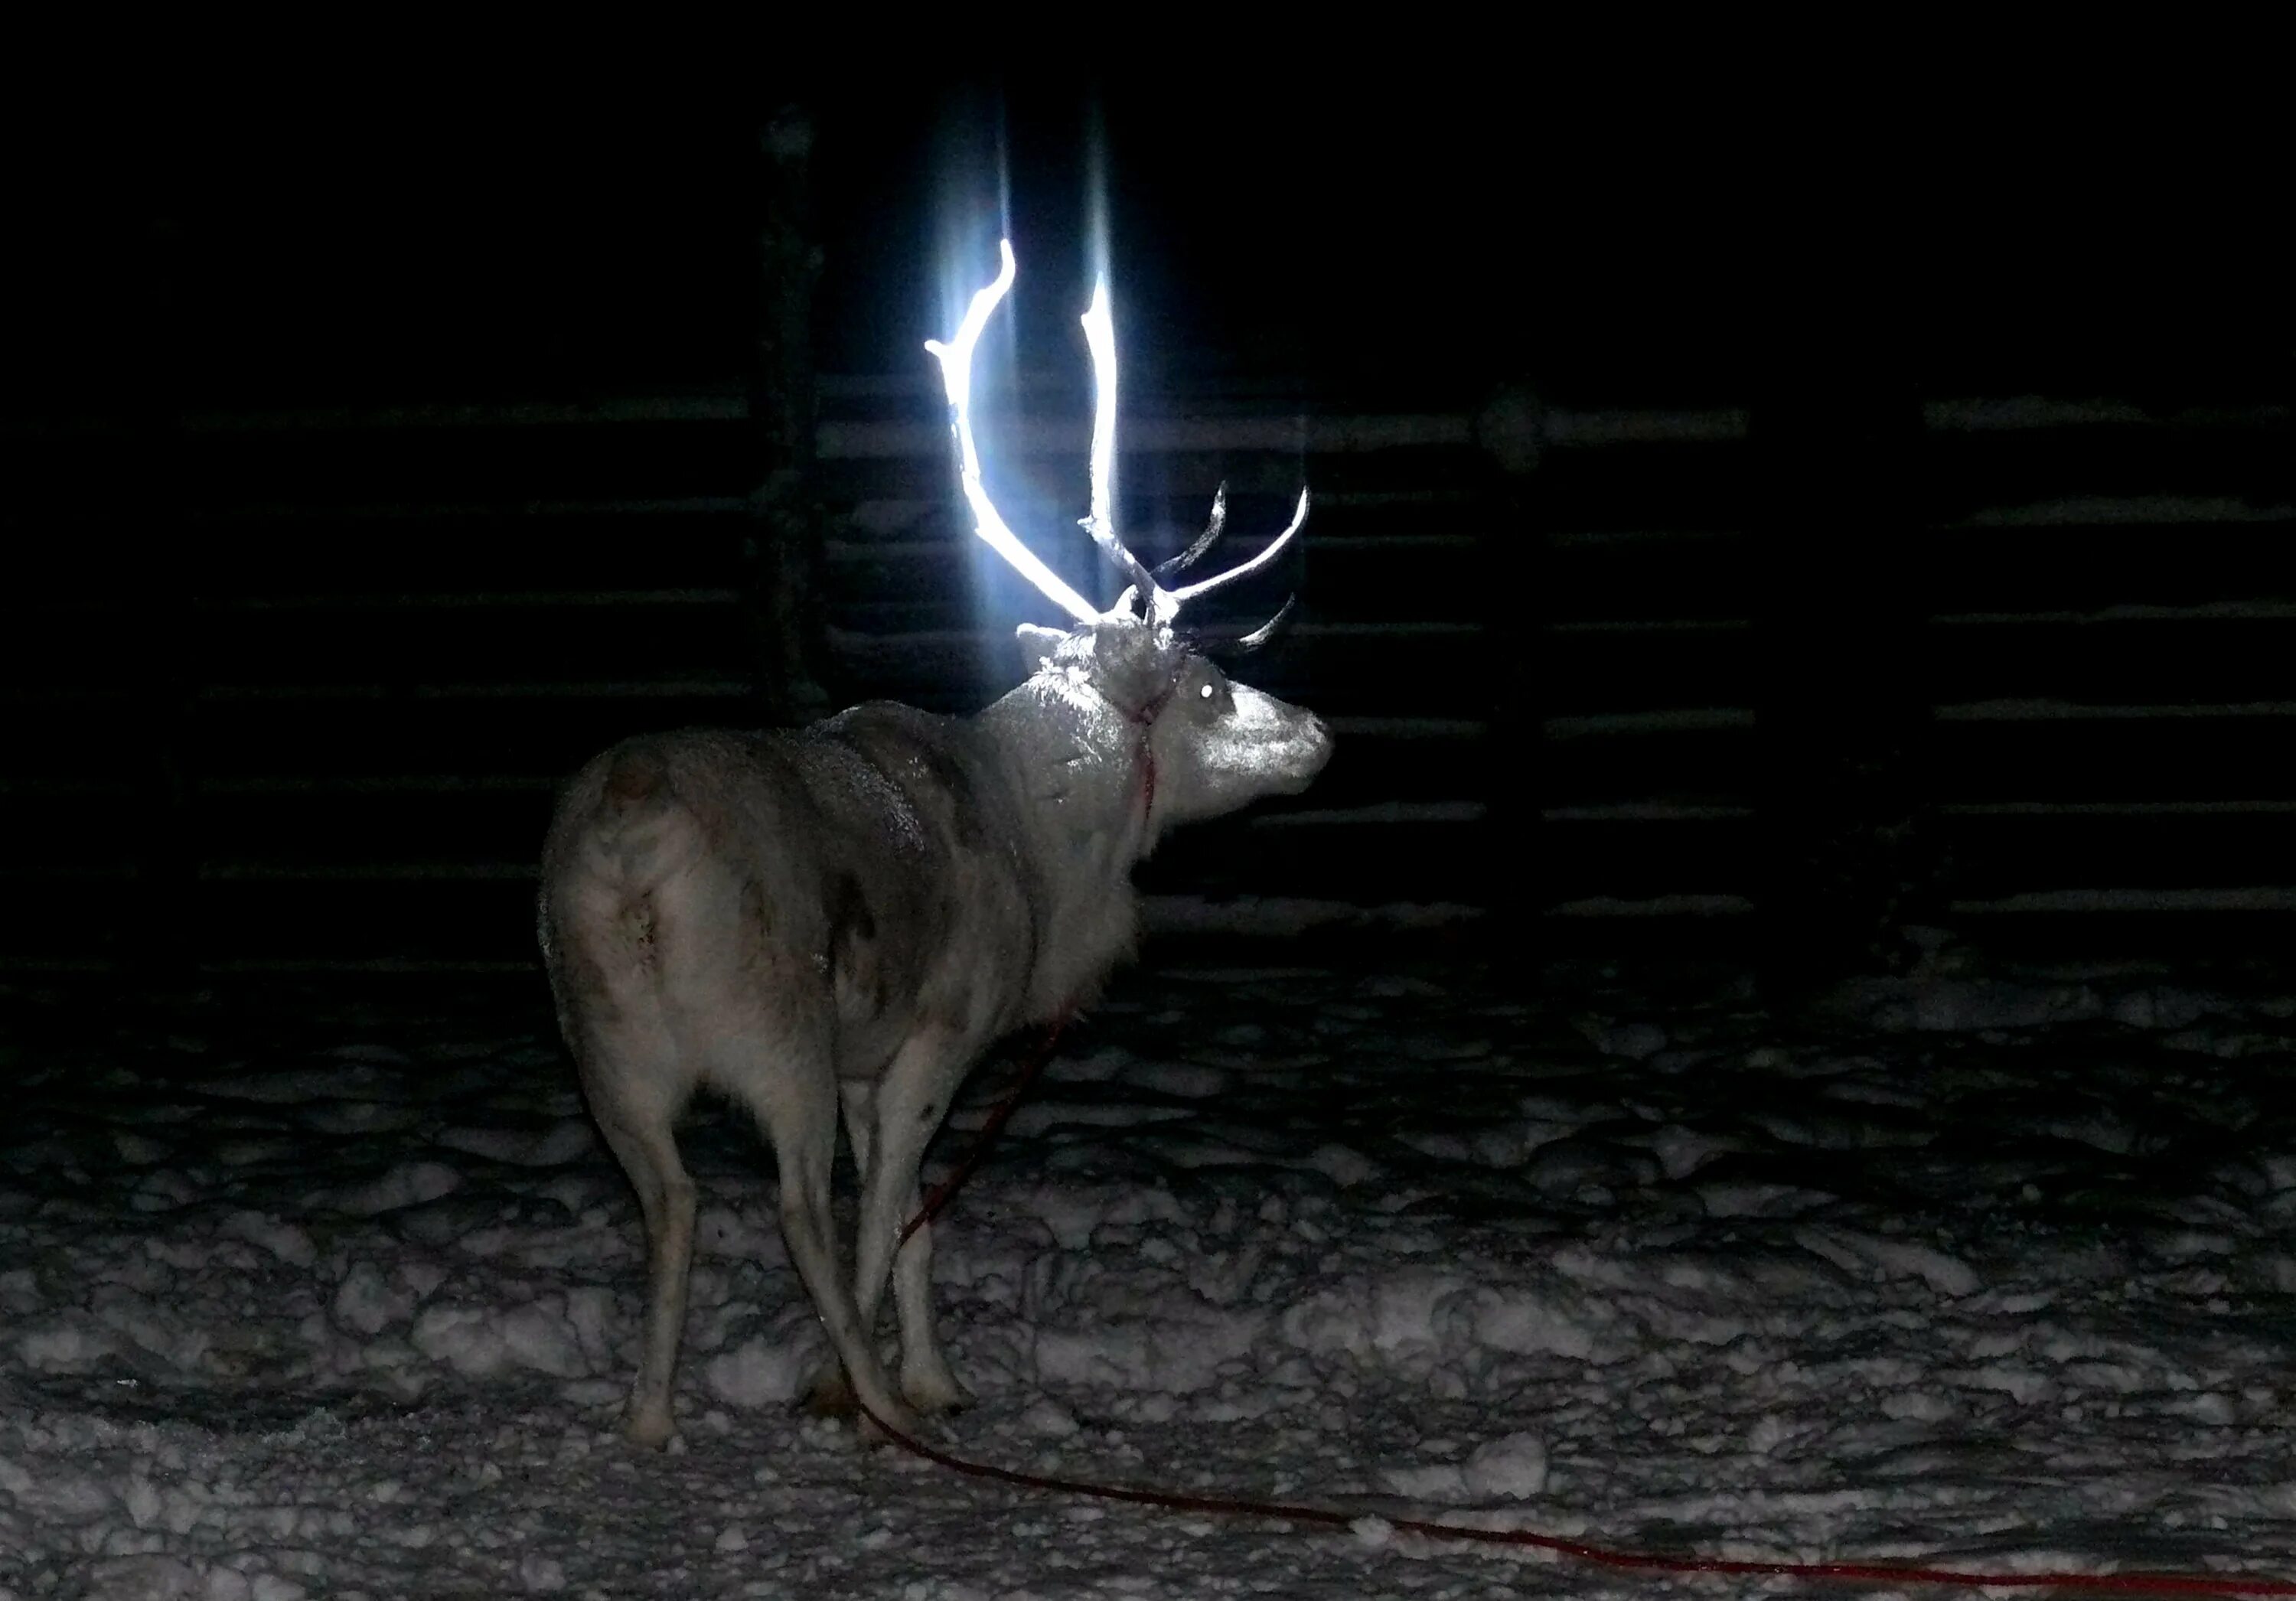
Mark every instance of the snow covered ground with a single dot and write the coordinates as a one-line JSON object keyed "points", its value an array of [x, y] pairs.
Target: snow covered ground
{"points": [[342, 1300]]}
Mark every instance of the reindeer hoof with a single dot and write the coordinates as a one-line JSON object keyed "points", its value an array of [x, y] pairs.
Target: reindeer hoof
{"points": [[903, 1421], [651, 1429], [830, 1395], [935, 1395]]}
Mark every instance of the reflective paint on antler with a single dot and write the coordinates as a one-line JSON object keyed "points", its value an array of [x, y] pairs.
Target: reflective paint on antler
{"points": [[955, 359], [1203, 542], [1189, 592], [1156, 605], [1100, 338]]}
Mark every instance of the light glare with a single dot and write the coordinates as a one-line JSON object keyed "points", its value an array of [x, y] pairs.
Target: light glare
{"points": [[955, 359], [1157, 606]]}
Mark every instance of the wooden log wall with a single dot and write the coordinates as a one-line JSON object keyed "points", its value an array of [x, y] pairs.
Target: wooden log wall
{"points": [[296, 697]]}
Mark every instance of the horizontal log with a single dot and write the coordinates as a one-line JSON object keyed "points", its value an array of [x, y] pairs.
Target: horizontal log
{"points": [[1961, 473], [2089, 563], [2161, 659]]}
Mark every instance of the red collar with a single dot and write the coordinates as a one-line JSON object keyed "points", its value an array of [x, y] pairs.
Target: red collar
{"points": [[1145, 717]]}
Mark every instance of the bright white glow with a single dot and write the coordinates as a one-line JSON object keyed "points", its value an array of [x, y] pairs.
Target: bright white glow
{"points": [[1100, 338], [956, 378], [1160, 606]]}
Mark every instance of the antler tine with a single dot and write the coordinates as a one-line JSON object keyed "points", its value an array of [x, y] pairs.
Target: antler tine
{"points": [[1202, 542], [955, 359], [1275, 547], [1265, 632], [1100, 336]]}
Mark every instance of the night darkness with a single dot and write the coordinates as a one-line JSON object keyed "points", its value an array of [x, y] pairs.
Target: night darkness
{"points": [[1770, 1036]]}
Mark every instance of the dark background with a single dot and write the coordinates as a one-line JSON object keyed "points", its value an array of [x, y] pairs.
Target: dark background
{"points": [[380, 455], [1453, 224]]}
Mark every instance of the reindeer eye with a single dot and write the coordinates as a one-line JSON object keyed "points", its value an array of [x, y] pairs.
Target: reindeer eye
{"points": [[1204, 692]]}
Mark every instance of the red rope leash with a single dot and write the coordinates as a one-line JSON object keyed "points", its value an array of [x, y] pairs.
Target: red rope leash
{"points": [[948, 1187], [1144, 718], [1609, 1556]]}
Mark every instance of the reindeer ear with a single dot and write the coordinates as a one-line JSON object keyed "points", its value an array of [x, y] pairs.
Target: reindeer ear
{"points": [[1036, 642]]}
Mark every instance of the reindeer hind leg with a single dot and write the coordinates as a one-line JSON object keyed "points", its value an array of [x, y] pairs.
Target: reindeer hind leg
{"points": [[629, 1073], [790, 1085], [830, 1394]]}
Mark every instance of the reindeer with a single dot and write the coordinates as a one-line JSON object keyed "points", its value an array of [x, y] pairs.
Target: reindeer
{"points": [[849, 914]]}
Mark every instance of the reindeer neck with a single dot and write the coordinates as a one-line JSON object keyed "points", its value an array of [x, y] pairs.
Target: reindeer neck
{"points": [[1072, 765]]}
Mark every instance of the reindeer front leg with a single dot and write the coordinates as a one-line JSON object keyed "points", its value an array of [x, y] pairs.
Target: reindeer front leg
{"points": [[912, 1099]]}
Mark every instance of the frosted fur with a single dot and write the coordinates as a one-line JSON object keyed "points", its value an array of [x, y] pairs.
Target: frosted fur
{"points": [[849, 917]]}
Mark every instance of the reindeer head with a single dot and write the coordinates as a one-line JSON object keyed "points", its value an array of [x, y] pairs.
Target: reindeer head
{"points": [[1204, 744]]}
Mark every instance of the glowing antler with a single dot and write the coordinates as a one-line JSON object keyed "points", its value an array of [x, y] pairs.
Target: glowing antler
{"points": [[956, 378], [1158, 605], [1099, 337], [1202, 542], [1188, 592]]}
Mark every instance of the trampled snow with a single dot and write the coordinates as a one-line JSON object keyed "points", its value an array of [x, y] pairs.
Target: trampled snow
{"points": [[342, 1299]]}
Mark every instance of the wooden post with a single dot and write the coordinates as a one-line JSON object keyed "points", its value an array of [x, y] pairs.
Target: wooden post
{"points": [[783, 548], [159, 944], [1842, 715], [1511, 428]]}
